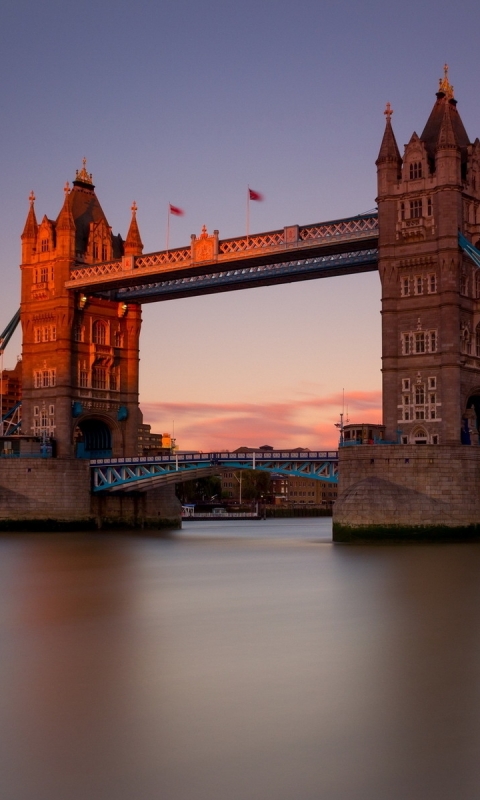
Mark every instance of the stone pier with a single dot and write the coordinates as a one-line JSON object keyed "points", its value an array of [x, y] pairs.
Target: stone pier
{"points": [[408, 492], [55, 494]]}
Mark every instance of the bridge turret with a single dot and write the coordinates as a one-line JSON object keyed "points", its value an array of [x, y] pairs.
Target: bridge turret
{"points": [[430, 291], [133, 243], [65, 228], [30, 232]]}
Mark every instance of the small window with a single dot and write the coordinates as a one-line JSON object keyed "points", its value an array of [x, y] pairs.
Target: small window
{"points": [[44, 275], [104, 252], [420, 342], [44, 246], [433, 341], [51, 409], [406, 384], [35, 411], [435, 439], [406, 344], [432, 383], [429, 206], [418, 284], [405, 287], [95, 251], [432, 283]]}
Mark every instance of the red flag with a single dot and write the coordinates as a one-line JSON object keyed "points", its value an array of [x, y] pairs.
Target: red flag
{"points": [[254, 195], [179, 212]]}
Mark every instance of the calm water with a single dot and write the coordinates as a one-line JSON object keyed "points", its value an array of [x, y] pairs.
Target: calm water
{"points": [[238, 661]]}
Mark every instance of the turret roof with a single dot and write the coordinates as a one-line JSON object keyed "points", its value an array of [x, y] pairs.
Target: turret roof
{"points": [[389, 149], [444, 125]]}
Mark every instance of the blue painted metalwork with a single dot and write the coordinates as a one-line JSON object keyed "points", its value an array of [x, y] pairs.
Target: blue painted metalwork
{"points": [[469, 249], [139, 474], [7, 334]]}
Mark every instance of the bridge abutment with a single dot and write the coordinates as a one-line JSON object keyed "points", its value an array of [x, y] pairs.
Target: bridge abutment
{"points": [[55, 495], [408, 493]]}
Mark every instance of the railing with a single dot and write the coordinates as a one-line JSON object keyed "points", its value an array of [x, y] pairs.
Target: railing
{"points": [[274, 241]]}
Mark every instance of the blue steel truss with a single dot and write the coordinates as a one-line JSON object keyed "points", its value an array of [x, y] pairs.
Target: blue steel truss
{"points": [[7, 334], [140, 474], [469, 249]]}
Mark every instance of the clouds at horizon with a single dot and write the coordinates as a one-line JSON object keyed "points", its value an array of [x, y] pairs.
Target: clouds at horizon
{"points": [[308, 421]]}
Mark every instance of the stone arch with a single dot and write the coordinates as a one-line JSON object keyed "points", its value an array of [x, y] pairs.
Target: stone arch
{"points": [[419, 435], [97, 436]]}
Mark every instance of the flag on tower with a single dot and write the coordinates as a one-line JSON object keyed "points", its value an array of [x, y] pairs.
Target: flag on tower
{"points": [[254, 195], [178, 212]]}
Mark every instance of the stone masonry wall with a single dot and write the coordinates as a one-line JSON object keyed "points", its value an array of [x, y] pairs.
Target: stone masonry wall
{"points": [[37, 488], [55, 493], [408, 486]]}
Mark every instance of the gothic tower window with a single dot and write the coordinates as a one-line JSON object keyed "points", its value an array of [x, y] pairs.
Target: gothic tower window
{"points": [[415, 170], [477, 340], [415, 209], [429, 207], [99, 332], [99, 378]]}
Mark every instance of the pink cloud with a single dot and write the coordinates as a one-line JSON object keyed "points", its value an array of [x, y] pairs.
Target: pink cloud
{"points": [[308, 421]]}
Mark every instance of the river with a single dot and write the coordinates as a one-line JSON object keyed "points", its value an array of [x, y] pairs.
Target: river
{"points": [[238, 660]]}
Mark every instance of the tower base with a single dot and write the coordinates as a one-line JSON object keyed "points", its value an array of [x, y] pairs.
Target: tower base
{"points": [[408, 493]]}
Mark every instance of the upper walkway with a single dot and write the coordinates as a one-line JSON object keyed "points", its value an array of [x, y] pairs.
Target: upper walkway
{"points": [[210, 264]]}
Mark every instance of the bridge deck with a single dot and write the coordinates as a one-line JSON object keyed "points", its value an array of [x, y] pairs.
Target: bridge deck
{"points": [[139, 474]]}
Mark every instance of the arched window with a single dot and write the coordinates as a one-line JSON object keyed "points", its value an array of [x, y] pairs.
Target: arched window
{"points": [[99, 332], [420, 436], [415, 170]]}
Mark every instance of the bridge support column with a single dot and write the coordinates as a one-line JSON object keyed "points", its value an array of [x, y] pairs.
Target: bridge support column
{"points": [[408, 493]]}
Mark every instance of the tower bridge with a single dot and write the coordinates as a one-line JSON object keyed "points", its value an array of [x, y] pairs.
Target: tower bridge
{"points": [[82, 289]]}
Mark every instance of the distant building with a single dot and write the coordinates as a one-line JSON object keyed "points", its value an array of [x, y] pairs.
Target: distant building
{"points": [[153, 444], [11, 387], [285, 489]]}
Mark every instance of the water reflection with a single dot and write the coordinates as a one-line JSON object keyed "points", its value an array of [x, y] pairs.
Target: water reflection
{"points": [[238, 660]]}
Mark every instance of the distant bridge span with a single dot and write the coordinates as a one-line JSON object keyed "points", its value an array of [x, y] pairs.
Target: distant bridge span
{"points": [[140, 474]]}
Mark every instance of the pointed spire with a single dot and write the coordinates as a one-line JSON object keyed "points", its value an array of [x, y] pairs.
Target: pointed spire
{"points": [[65, 219], [31, 226], [389, 151], [133, 242], [446, 135]]}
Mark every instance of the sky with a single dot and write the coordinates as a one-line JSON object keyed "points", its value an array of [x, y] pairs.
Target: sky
{"points": [[187, 103]]}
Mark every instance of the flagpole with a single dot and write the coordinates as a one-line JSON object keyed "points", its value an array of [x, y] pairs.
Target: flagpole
{"points": [[168, 226], [248, 212]]}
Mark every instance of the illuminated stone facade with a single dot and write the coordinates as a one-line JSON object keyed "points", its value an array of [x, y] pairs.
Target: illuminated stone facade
{"points": [[430, 289], [80, 354]]}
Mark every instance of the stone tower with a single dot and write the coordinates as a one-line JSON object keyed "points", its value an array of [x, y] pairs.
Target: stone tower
{"points": [[80, 353], [430, 289]]}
